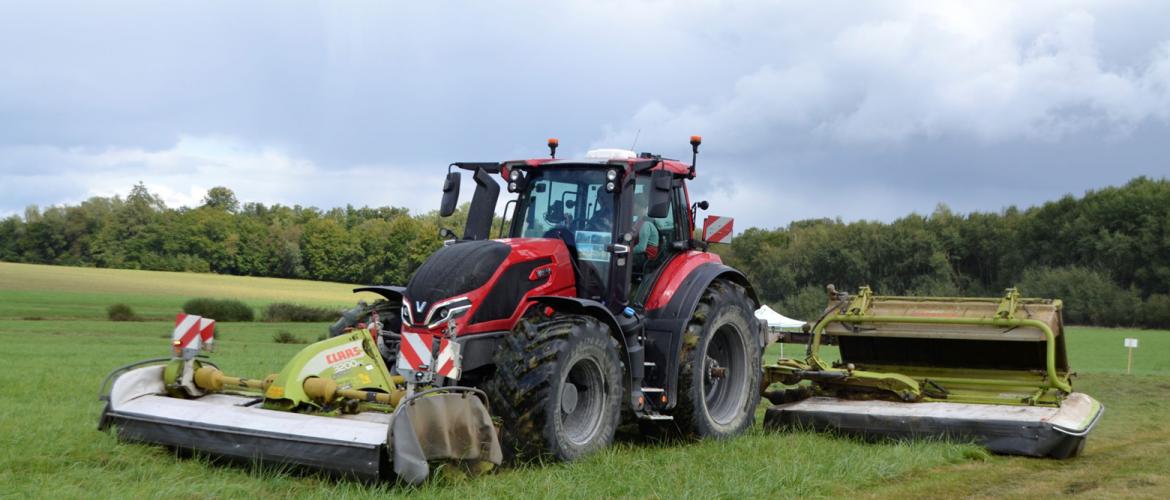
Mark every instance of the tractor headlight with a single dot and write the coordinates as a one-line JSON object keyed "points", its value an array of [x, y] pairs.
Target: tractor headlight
{"points": [[448, 311], [611, 175], [457, 312], [515, 175], [610, 186], [513, 187]]}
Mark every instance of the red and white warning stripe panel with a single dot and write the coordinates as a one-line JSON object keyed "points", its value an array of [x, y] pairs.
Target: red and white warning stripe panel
{"points": [[717, 229], [192, 332], [207, 332], [414, 353], [449, 362]]}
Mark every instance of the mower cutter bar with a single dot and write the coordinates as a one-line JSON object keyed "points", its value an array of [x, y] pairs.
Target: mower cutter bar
{"points": [[228, 426], [439, 423], [1015, 430]]}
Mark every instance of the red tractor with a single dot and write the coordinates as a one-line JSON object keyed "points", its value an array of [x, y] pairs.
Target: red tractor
{"points": [[597, 303], [599, 306]]}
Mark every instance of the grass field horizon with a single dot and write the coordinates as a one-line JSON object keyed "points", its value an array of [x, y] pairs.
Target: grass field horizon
{"points": [[49, 445], [38, 291]]}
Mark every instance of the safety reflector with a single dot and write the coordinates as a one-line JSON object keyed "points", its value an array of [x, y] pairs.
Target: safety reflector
{"points": [[192, 332], [207, 332], [186, 334], [414, 355], [449, 362], [717, 229]]}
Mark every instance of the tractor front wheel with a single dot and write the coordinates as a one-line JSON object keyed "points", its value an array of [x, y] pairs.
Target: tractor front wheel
{"points": [[719, 374], [557, 388]]}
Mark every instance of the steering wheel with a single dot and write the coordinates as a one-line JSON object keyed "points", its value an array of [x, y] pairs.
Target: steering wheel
{"points": [[555, 214]]}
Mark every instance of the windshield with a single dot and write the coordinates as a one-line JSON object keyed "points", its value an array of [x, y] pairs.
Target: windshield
{"points": [[570, 204]]}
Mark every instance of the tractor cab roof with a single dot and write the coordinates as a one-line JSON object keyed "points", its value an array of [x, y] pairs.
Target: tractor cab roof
{"points": [[641, 163], [596, 158]]}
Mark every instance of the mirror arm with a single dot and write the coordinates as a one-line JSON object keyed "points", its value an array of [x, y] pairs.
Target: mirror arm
{"points": [[504, 219]]}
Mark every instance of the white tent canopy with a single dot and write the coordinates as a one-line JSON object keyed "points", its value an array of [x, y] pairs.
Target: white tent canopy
{"points": [[777, 320]]}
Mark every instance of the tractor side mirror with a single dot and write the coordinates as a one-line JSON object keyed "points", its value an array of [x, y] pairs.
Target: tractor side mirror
{"points": [[659, 194], [450, 194]]}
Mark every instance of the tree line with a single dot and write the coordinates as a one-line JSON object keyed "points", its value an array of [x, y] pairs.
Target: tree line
{"points": [[1107, 253], [351, 245]]}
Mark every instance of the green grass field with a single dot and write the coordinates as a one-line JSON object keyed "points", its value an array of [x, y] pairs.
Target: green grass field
{"points": [[52, 366]]}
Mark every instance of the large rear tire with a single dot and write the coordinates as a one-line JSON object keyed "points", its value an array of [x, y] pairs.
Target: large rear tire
{"points": [[557, 388], [719, 373]]}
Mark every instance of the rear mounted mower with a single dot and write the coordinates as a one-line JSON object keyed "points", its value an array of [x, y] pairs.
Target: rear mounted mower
{"points": [[990, 370]]}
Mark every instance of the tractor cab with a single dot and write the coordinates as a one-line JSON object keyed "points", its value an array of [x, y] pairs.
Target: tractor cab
{"points": [[609, 231], [621, 215]]}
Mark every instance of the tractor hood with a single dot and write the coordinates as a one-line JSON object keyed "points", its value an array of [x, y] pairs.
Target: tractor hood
{"points": [[490, 276], [453, 270]]}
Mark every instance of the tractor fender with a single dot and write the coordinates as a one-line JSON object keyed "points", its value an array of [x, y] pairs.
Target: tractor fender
{"points": [[665, 326], [349, 318], [576, 305], [391, 293]]}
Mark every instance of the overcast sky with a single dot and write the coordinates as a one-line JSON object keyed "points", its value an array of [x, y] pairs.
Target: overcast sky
{"points": [[862, 110]]}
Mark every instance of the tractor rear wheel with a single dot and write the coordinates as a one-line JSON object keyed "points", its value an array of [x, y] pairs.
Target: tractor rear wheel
{"points": [[719, 373], [557, 388]]}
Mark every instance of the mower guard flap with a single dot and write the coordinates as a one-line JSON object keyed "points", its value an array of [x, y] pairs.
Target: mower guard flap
{"points": [[449, 426], [369, 446]]}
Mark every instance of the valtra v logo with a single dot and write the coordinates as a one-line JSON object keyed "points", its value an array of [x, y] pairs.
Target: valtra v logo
{"points": [[342, 355], [420, 305]]}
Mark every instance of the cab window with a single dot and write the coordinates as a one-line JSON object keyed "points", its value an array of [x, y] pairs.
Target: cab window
{"points": [[569, 204], [654, 236]]}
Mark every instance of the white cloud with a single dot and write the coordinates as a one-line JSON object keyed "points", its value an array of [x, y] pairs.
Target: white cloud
{"points": [[929, 72], [849, 109], [182, 174]]}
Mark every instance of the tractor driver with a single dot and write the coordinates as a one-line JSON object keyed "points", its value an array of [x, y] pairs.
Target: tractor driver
{"points": [[645, 228], [602, 217], [647, 231]]}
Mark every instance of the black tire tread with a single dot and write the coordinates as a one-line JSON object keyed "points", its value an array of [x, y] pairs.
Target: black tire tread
{"points": [[525, 368], [686, 409]]}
